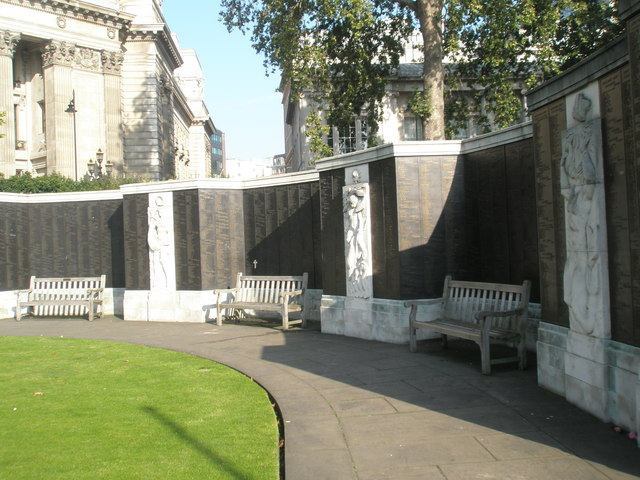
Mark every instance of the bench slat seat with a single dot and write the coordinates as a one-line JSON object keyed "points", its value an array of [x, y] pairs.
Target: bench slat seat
{"points": [[284, 294], [481, 312], [68, 296]]}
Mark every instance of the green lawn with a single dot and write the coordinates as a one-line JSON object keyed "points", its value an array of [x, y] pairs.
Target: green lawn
{"points": [[81, 409]]}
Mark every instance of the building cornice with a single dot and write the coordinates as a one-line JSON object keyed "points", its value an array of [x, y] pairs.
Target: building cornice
{"points": [[159, 33], [78, 10]]}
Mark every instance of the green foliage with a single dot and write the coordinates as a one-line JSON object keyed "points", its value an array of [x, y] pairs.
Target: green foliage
{"points": [[495, 43], [341, 52], [55, 182], [103, 410], [317, 132], [420, 104]]}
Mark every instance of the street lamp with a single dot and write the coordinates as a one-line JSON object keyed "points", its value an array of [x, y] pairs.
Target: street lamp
{"points": [[71, 108], [95, 168]]}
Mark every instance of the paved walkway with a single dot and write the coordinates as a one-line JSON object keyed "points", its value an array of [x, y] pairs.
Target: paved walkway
{"points": [[355, 409]]}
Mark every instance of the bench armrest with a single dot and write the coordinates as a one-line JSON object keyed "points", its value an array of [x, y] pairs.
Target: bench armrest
{"points": [[428, 301], [290, 293], [220, 291], [93, 291]]}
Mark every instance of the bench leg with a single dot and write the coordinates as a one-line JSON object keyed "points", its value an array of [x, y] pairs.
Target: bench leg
{"points": [[445, 340], [485, 355], [285, 316], [522, 355], [91, 309], [413, 341], [18, 312], [219, 317]]}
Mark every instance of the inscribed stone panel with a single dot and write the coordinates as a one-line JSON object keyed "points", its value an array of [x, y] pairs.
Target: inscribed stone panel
{"points": [[550, 219], [332, 232], [135, 241]]}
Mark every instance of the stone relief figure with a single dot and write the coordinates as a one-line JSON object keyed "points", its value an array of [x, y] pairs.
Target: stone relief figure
{"points": [[159, 244], [357, 239], [581, 186]]}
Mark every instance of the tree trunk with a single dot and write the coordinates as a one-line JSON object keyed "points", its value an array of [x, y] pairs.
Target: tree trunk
{"points": [[429, 14]]}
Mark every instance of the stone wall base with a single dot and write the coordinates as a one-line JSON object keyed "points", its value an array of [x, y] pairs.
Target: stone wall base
{"points": [[169, 306], [600, 376], [388, 320]]}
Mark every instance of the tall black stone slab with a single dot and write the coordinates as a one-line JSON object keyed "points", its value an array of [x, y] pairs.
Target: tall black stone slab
{"points": [[136, 227]]}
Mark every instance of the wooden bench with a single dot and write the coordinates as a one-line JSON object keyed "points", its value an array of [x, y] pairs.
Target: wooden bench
{"points": [[73, 296], [282, 294], [483, 312]]}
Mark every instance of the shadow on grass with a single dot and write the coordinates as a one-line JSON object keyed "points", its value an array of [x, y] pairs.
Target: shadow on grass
{"points": [[196, 444]]}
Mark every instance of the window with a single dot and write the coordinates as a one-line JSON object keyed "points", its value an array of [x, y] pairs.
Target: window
{"points": [[412, 127], [350, 138]]}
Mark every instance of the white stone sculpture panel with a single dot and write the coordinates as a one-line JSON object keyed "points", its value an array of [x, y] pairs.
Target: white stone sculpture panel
{"points": [[586, 286], [357, 240], [162, 262]]}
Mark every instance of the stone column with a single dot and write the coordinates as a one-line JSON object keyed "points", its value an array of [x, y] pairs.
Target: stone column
{"points": [[57, 67], [8, 42], [586, 273], [112, 68]]}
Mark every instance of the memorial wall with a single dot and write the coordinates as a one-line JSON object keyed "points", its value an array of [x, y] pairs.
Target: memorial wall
{"points": [[586, 139]]}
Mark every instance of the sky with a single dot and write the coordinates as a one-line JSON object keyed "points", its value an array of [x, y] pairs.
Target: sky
{"points": [[242, 100]]}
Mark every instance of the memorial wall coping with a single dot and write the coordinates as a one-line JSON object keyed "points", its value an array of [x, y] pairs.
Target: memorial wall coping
{"points": [[392, 150], [580, 75]]}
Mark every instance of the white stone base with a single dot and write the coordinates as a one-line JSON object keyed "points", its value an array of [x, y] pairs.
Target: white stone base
{"points": [[388, 320], [8, 301], [370, 319], [598, 375], [169, 306]]}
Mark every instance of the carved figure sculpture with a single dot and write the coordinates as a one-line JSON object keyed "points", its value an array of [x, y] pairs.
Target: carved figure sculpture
{"points": [[582, 188], [356, 240], [159, 243]]}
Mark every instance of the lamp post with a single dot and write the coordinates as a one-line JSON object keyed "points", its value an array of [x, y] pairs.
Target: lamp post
{"points": [[71, 108], [95, 168]]}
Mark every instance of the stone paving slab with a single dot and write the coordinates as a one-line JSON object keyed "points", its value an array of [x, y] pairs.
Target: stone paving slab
{"points": [[355, 409]]}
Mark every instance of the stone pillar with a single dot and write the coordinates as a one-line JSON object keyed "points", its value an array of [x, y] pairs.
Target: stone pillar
{"points": [[586, 273], [57, 67], [8, 42], [112, 68]]}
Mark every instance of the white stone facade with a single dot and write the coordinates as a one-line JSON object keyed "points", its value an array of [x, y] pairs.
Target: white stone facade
{"points": [[101, 75]]}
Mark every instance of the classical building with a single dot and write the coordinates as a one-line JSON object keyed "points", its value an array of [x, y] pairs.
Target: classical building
{"points": [[398, 122], [81, 77]]}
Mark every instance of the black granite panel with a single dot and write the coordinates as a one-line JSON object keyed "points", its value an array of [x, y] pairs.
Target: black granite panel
{"points": [[222, 241], [622, 212], [550, 216], [332, 232], [14, 244], [61, 239], [384, 228], [187, 239], [136, 227], [282, 230]]}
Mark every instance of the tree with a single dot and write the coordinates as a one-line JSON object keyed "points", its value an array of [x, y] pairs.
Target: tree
{"points": [[344, 50]]}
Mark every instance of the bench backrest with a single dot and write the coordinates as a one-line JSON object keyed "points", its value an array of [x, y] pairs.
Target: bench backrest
{"points": [[64, 288], [267, 289], [461, 300]]}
